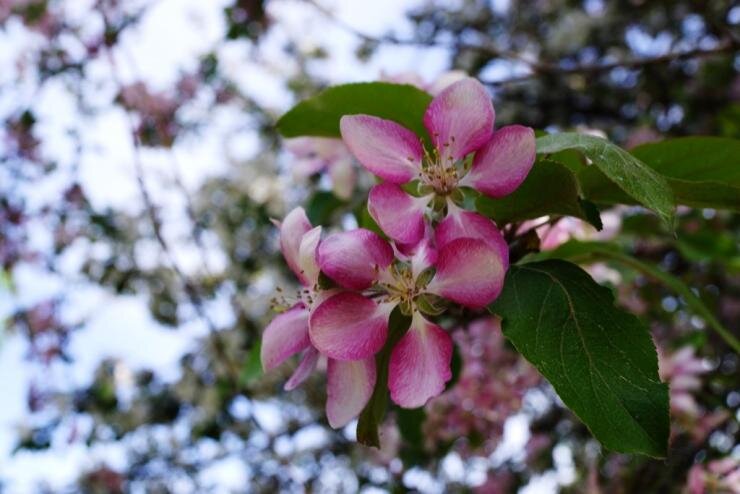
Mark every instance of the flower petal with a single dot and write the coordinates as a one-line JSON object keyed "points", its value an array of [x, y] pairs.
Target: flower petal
{"points": [[343, 178], [398, 214], [384, 147], [504, 162], [420, 364], [460, 118], [349, 385], [354, 258], [313, 154], [308, 363], [292, 229], [286, 335], [469, 272], [348, 326], [465, 224], [308, 256], [421, 255]]}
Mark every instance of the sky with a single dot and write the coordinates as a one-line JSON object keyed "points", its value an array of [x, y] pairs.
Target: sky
{"points": [[117, 324]]}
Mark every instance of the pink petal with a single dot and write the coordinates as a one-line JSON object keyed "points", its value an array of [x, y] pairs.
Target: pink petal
{"points": [[465, 224], [503, 163], [292, 229], [422, 255], [460, 118], [353, 259], [308, 363], [307, 256], [307, 160], [285, 336], [385, 148], [398, 214], [343, 178], [469, 272], [420, 364], [349, 386], [348, 326]]}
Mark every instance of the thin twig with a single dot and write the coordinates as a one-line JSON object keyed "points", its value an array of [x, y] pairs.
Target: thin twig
{"points": [[539, 68], [190, 289], [544, 68], [393, 40]]}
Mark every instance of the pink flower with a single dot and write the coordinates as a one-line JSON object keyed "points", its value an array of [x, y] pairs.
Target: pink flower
{"points": [[350, 382], [681, 370], [460, 122], [553, 236], [318, 154], [353, 324], [721, 475]]}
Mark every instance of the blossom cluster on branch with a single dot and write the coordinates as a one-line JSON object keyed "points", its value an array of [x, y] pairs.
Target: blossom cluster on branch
{"points": [[436, 254]]}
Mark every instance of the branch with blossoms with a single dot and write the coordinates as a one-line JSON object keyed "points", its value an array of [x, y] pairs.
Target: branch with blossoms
{"points": [[375, 300]]}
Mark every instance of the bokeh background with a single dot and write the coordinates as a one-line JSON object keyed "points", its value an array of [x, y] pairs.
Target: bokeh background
{"points": [[140, 169]]}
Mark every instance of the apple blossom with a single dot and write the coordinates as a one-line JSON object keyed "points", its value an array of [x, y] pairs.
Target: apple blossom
{"points": [[466, 152], [467, 269], [349, 382]]}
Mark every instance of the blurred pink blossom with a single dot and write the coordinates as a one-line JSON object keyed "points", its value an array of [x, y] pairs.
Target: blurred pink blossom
{"points": [[682, 370], [492, 382], [324, 154], [718, 476], [553, 236]]}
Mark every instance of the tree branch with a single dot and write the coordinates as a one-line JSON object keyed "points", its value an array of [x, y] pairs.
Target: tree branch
{"points": [[539, 68]]}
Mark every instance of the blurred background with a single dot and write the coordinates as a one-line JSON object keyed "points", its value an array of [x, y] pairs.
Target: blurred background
{"points": [[140, 169]]}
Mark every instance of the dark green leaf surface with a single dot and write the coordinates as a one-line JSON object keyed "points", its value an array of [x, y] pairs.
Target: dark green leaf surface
{"points": [[252, 368], [319, 116], [321, 207], [593, 251], [600, 360], [550, 189], [696, 159], [631, 175]]}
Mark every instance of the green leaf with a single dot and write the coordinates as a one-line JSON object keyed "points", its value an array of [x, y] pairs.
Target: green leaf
{"points": [[364, 220], [550, 189], [594, 251], [321, 207], [696, 159], [373, 413], [703, 172], [410, 424], [600, 360], [631, 175], [252, 368], [319, 116]]}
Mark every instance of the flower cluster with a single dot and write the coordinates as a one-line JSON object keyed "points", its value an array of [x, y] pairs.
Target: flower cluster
{"points": [[437, 253]]}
